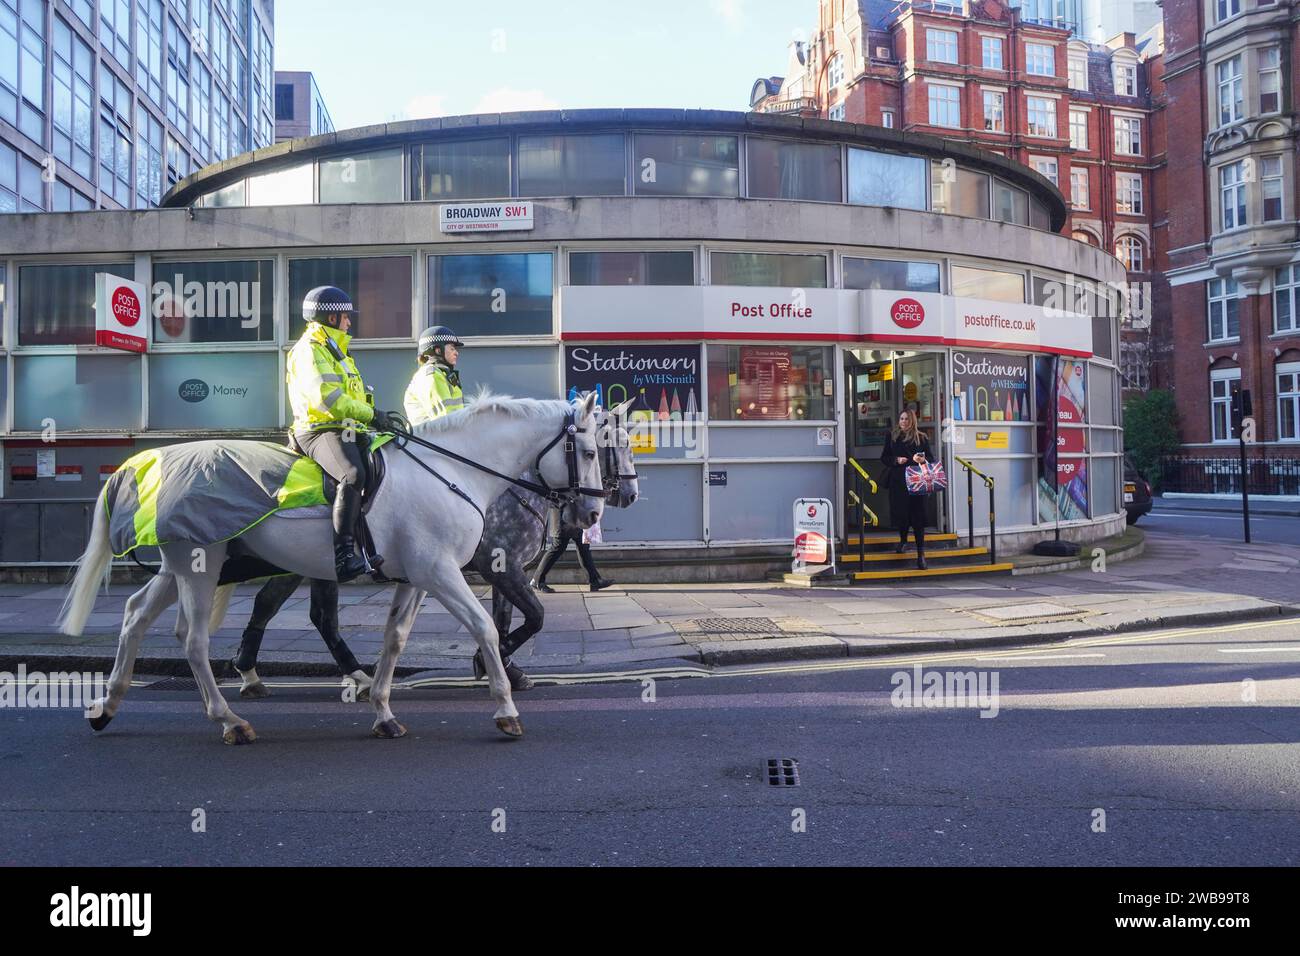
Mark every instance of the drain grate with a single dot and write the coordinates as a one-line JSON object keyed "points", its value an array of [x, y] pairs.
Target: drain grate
{"points": [[174, 683], [737, 625], [782, 772], [709, 629]]}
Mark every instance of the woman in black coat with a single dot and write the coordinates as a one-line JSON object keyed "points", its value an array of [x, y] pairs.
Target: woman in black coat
{"points": [[906, 445]]}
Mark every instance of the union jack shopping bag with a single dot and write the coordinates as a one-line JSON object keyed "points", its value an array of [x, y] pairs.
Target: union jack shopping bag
{"points": [[926, 478]]}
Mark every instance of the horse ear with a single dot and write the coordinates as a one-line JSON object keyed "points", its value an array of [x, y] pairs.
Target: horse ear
{"points": [[588, 404]]}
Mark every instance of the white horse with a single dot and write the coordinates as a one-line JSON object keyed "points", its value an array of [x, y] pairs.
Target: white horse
{"points": [[425, 531]]}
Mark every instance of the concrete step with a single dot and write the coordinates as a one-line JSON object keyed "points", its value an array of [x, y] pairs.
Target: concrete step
{"points": [[903, 574], [909, 556], [890, 538]]}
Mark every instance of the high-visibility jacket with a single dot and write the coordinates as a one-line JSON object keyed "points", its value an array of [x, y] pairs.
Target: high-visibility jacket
{"points": [[430, 395], [325, 388]]}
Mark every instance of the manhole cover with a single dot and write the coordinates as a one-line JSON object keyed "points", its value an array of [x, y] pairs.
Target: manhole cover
{"points": [[1025, 613], [782, 772], [743, 628], [174, 683]]}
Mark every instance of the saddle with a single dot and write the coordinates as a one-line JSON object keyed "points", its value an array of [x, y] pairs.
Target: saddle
{"points": [[241, 565]]}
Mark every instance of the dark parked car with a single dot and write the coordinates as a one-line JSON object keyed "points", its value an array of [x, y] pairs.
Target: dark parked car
{"points": [[1137, 492]]}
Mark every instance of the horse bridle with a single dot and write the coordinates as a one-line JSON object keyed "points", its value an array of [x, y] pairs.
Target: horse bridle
{"points": [[610, 477], [557, 497]]}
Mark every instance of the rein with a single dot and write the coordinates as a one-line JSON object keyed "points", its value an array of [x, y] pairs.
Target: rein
{"points": [[557, 497]]}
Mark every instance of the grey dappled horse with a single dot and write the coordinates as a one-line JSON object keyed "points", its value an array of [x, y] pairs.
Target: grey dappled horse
{"points": [[513, 535]]}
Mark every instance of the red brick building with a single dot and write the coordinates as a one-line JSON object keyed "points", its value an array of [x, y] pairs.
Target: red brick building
{"points": [[974, 71], [1226, 238]]}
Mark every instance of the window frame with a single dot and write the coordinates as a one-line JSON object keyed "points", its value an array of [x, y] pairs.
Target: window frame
{"points": [[1000, 110], [1224, 402], [938, 40], [1291, 397], [991, 45], [1229, 85], [1129, 191], [1032, 105], [1079, 124], [1228, 293], [1078, 174], [945, 98], [1042, 55], [1128, 134], [1236, 188]]}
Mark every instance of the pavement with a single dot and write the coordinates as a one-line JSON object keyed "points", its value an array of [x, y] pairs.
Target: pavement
{"points": [[1175, 582]]}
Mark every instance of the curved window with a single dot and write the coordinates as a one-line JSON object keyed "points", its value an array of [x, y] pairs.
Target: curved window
{"points": [[687, 165], [585, 165], [886, 179], [370, 177], [767, 269], [477, 169], [494, 294], [287, 187], [782, 169], [380, 287]]}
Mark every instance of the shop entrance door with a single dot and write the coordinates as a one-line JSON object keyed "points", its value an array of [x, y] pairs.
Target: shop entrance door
{"points": [[880, 385]]}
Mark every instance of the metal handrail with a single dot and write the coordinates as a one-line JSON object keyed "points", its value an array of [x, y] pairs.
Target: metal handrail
{"points": [[858, 475], [971, 471]]}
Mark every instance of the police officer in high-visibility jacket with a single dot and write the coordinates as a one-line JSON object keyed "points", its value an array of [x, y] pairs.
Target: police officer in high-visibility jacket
{"points": [[435, 388], [331, 411]]}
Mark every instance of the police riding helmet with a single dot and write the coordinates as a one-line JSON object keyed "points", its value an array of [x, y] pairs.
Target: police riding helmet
{"points": [[434, 338], [326, 303]]}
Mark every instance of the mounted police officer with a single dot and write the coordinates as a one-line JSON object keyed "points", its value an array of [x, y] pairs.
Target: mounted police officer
{"points": [[331, 410], [435, 388]]}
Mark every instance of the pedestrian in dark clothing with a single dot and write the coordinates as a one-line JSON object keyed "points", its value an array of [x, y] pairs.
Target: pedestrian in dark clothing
{"points": [[558, 535], [905, 446]]}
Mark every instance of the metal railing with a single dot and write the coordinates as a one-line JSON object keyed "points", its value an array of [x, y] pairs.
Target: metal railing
{"points": [[1222, 476], [971, 472], [857, 485]]}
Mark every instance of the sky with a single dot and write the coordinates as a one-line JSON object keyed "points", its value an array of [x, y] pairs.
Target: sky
{"points": [[377, 61]]}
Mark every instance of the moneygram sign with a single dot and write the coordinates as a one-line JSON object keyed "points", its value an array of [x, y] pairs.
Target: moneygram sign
{"points": [[485, 217], [120, 318]]}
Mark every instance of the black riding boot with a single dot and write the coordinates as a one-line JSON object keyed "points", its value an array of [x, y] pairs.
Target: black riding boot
{"points": [[347, 507]]}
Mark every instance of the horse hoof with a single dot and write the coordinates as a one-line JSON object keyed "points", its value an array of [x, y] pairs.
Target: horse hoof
{"points": [[510, 726], [388, 729], [99, 722], [254, 691], [239, 734]]}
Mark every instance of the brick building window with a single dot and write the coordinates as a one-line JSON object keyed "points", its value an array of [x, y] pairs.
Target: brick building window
{"points": [[1040, 59], [1079, 73], [1079, 188], [836, 112], [1047, 167], [1223, 383], [1224, 323], [991, 48], [1128, 250], [1286, 292], [1232, 195], [835, 72], [1228, 76], [887, 119], [941, 46], [1126, 79], [1078, 129], [1042, 116], [995, 111], [1288, 401], [1128, 193], [1270, 80], [1128, 135], [945, 106]]}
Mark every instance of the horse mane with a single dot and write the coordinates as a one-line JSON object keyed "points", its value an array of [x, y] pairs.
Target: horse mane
{"points": [[484, 402]]}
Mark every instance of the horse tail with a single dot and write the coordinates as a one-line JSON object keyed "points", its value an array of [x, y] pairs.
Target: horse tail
{"points": [[92, 571], [220, 604]]}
